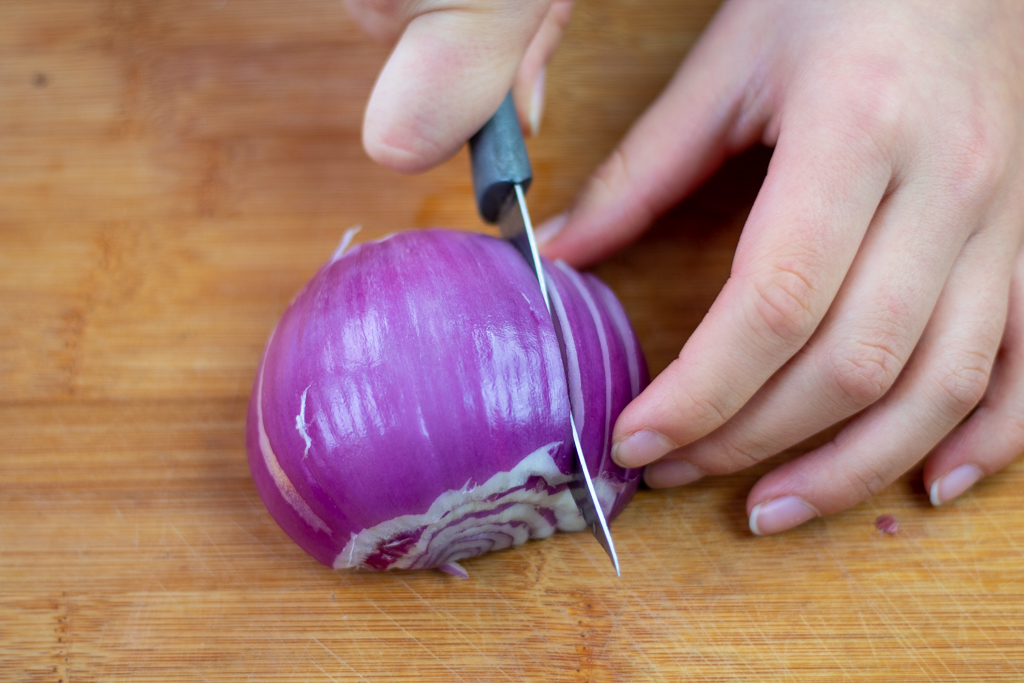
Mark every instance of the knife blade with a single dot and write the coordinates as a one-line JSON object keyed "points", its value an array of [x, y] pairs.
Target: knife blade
{"points": [[501, 176]]}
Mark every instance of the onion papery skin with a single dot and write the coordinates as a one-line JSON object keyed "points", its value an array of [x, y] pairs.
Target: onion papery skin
{"points": [[411, 408]]}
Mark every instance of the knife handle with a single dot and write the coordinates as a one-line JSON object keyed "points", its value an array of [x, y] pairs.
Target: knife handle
{"points": [[498, 156]]}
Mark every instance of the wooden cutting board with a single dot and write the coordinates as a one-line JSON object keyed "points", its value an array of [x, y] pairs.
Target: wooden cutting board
{"points": [[170, 174]]}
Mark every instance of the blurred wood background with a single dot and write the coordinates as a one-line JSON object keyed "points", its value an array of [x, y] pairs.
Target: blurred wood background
{"points": [[170, 174]]}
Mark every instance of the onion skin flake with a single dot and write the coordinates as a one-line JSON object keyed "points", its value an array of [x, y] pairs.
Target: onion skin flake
{"points": [[411, 409]]}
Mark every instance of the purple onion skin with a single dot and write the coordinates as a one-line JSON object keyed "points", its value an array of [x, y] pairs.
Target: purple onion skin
{"points": [[409, 376]]}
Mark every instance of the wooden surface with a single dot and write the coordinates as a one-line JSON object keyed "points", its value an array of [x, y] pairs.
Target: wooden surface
{"points": [[170, 174]]}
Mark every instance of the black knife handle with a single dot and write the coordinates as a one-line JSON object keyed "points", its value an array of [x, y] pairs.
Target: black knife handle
{"points": [[498, 156]]}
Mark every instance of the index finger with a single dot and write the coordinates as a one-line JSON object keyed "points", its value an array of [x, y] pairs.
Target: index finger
{"points": [[822, 188]]}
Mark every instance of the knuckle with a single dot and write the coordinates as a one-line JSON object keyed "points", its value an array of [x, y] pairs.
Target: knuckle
{"points": [[737, 454], [974, 163], [616, 173], [708, 411], [876, 106], [611, 171], [963, 381], [785, 303], [867, 480], [871, 102], [733, 448], [560, 12], [974, 152], [862, 370], [707, 403]]}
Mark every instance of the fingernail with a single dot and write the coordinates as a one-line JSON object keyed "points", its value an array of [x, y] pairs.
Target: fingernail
{"points": [[779, 514], [667, 473], [537, 101], [640, 448], [551, 227], [953, 483]]}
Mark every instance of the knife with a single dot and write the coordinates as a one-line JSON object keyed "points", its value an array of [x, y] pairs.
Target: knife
{"points": [[501, 176]]}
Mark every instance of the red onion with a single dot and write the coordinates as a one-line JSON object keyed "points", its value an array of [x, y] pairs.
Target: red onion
{"points": [[887, 524], [411, 408]]}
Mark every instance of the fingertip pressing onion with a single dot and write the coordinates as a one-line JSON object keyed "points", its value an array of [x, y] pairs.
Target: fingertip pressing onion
{"points": [[411, 408]]}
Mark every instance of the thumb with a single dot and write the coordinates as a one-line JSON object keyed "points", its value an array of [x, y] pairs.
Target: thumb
{"points": [[695, 124], [447, 75]]}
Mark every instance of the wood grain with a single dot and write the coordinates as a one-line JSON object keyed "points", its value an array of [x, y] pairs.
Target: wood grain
{"points": [[170, 174]]}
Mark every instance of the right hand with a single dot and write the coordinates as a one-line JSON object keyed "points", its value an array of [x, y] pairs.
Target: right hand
{"points": [[453, 64]]}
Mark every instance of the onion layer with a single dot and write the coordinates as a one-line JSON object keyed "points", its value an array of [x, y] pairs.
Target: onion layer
{"points": [[411, 409]]}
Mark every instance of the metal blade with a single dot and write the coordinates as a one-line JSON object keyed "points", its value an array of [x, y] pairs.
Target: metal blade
{"points": [[515, 226]]}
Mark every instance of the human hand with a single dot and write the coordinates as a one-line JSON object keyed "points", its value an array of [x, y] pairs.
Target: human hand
{"points": [[876, 269], [453, 64]]}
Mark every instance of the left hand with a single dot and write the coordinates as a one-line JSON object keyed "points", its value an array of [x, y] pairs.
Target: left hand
{"points": [[878, 265]]}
